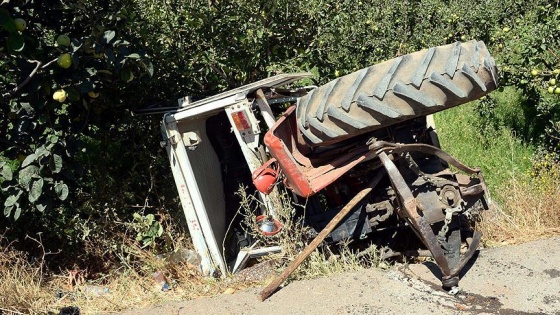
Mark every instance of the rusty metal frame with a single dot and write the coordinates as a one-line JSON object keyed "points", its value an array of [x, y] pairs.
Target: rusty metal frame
{"points": [[306, 178], [301, 175], [409, 204]]}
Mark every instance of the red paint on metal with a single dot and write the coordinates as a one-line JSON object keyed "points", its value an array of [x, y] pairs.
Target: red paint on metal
{"points": [[304, 176], [295, 179], [266, 176]]}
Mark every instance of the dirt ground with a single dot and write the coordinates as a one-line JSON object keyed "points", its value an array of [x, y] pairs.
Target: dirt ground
{"points": [[522, 279]]}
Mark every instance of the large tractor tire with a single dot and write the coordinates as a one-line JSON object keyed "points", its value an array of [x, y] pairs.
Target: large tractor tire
{"points": [[393, 91]]}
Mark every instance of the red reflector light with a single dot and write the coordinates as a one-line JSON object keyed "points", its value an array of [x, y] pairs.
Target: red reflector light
{"points": [[240, 120]]}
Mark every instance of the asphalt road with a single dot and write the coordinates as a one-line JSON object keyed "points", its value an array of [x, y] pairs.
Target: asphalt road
{"points": [[520, 279]]}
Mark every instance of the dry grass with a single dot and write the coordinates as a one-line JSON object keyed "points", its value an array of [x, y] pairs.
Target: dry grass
{"points": [[295, 236], [324, 262], [527, 211], [26, 290], [524, 185], [529, 207], [22, 285]]}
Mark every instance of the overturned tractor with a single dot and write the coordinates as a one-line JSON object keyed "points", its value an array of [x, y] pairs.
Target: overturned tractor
{"points": [[358, 152]]}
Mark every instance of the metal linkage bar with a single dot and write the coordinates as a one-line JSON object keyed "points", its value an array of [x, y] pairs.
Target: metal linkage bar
{"points": [[410, 206], [271, 288]]}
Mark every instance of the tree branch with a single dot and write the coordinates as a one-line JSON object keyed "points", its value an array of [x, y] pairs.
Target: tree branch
{"points": [[13, 144], [49, 63], [22, 84], [29, 77]]}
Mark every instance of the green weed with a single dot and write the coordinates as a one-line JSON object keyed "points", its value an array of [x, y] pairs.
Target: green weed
{"points": [[525, 190], [497, 151]]}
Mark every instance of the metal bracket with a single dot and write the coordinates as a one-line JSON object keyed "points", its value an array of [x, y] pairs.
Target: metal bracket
{"points": [[246, 253], [168, 142], [410, 205], [191, 140]]}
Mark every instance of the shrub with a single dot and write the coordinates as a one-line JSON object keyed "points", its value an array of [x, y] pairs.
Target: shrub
{"points": [[80, 166]]}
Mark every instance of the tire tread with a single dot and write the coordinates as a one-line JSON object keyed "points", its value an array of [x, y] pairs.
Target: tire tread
{"points": [[396, 90]]}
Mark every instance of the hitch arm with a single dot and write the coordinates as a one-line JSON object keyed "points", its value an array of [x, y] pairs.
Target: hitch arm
{"points": [[419, 224], [411, 213]]}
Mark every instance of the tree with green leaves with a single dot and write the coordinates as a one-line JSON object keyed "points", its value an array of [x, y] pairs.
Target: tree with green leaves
{"points": [[61, 66], [74, 161]]}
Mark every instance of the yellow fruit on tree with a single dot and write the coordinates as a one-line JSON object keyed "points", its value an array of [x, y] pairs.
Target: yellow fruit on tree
{"points": [[534, 72], [552, 82], [60, 95], [550, 89], [63, 40], [92, 94], [64, 61], [20, 24]]}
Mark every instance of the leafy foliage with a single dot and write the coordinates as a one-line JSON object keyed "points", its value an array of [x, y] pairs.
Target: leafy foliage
{"points": [[43, 133], [75, 163], [148, 229], [527, 49]]}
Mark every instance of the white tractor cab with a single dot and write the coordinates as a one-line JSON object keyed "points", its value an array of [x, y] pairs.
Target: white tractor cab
{"points": [[201, 173]]}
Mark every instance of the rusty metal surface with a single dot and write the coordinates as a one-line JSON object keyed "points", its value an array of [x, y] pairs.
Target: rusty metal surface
{"points": [[419, 224], [301, 176], [440, 201], [410, 206], [396, 148], [273, 286]]}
